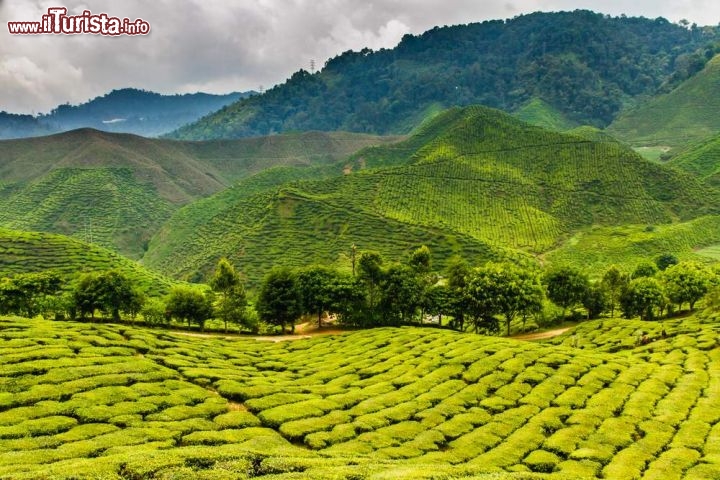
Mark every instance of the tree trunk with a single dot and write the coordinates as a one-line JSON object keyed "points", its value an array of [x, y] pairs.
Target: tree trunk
{"points": [[319, 318]]}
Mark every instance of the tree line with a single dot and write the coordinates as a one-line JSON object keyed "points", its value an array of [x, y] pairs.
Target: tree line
{"points": [[486, 299]]}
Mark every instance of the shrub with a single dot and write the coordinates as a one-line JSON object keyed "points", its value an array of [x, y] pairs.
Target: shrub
{"points": [[542, 461]]}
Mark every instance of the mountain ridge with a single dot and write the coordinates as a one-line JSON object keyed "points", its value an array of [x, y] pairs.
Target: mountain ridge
{"points": [[585, 64]]}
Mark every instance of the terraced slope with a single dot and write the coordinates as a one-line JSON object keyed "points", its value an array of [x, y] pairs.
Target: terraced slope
{"points": [[117, 402], [689, 113], [23, 252], [472, 180], [701, 159], [595, 249], [540, 113], [123, 187]]}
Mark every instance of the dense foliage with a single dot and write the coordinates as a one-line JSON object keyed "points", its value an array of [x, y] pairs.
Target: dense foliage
{"points": [[583, 64]]}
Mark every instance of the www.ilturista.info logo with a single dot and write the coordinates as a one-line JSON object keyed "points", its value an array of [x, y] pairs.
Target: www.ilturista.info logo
{"points": [[58, 22]]}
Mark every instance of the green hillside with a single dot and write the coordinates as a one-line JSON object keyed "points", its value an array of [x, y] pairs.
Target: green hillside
{"points": [[117, 190], [627, 246], [537, 112], [701, 159], [24, 252], [588, 66], [473, 179], [116, 402], [689, 113]]}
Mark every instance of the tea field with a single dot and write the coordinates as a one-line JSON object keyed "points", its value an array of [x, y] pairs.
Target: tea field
{"points": [[81, 400]]}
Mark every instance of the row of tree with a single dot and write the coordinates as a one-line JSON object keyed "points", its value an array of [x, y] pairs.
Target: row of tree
{"points": [[478, 299], [486, 299]]}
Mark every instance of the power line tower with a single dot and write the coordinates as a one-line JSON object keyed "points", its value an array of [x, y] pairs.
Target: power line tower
{"points": [[312, 66]]}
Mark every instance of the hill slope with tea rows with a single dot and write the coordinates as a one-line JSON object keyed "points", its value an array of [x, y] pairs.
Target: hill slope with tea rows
{"points": [[472, 181], [118, 189]]}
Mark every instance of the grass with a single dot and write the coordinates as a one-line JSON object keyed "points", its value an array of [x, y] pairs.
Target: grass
{"points": [[79, 400], [470, 181]]}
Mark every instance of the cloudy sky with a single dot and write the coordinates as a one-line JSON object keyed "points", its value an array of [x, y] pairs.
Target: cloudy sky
{"points": [[234, 45]]}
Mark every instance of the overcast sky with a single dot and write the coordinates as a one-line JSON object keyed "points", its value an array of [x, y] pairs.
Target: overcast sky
{"points": [[235, 45]]}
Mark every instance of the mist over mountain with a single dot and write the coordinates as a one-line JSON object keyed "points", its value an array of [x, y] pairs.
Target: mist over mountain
{"points": [[127, 110]]}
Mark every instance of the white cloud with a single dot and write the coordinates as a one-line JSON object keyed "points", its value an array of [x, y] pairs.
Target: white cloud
{"points": [[221, 46]]}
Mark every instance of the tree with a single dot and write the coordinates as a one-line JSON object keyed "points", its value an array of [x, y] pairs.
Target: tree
{"points": [[644, 269], [315, 284], [457, 273], [666, 260], [503, 289], [566, 287], [615, 282], [190, 305], [26, 293], [644, 297], [155, 312], [347, 299], [85, 295], [596, 301], [115, 293], [279, 301], [686, 282], [421, 260], [370, 272], [232, 299], [401, 294]]}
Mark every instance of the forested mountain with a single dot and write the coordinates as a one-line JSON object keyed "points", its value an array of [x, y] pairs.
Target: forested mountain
{"points": [[473, 181], [127, 111], [117, 189], [19, 126], [585, 66]]}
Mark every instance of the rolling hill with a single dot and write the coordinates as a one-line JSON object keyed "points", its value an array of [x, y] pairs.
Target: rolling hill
{"points": [[588, 66], [118, 189], [25, 252], [116, 402], [689, 113], [473, 181]]}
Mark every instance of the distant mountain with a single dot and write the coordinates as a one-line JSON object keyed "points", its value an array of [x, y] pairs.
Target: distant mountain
{"points": [[472, 181], [20, 126], [118, 189], [584, 66], [125, 111], [689, 113]]}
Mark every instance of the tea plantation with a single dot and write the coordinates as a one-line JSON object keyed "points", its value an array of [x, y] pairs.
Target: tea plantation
{"points": [[105, 401]]}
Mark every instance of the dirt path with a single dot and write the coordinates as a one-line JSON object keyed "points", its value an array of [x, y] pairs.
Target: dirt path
{"points": [[529, 337]]}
